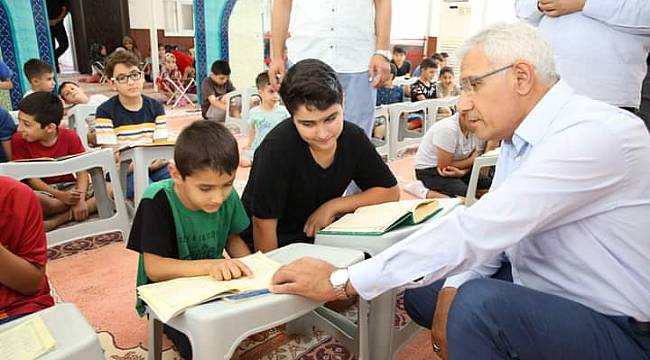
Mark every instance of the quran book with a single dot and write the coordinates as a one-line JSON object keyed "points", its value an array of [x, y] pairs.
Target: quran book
{"points": [[26, 341], [170, 298], [49, 158], [380, 218]]}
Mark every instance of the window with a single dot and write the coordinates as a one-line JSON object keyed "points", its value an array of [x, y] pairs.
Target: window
{"points": [[179, 18]]}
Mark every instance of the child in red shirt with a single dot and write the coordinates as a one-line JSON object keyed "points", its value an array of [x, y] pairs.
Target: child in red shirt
{"points": [[39, 135], [23, 252]]}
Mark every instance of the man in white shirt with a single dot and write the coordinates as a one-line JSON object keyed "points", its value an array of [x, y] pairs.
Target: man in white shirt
{"points": [[568, 206], [600, 45], [351, 36]]}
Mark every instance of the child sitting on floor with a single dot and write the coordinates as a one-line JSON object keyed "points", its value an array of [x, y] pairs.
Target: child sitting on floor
{"points": [[24, 288], [264, 117], [169, 73], [213, 88], [40, 136], [183, 224]]}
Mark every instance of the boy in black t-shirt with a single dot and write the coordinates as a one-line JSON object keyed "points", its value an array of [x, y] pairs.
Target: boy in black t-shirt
{"points": [[183, 224], [305, 163]]}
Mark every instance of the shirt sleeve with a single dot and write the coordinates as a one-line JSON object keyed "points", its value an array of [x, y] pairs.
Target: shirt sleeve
{"points": [[371, 170], [160, 132], [206, 89], [153, 230], [104, 127], [527, 10], [239, 221], [630, 16], [76, 147], [7, 125], [470, 237], [33, 243], [445, 138], [269, 181], [416, 90], [5, 72]]}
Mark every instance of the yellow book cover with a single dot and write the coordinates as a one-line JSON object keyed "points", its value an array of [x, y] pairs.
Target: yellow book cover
{"points": [[26, 341]]}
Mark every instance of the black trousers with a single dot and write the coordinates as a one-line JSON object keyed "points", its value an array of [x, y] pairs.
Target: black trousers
{"points": [[58, 33], [451, 186]]}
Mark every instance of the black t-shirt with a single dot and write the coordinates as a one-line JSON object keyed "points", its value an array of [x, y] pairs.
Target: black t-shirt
{"points": [[287, 184], [153, 228], [405, 69], [54, 8]]}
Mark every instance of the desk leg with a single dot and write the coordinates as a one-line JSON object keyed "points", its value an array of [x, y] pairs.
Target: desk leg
{"points": [[382, 317], [123, 171], [105, 206], [140, 177], [155, 339]]}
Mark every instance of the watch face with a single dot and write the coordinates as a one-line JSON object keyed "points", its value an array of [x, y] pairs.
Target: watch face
{"points": [[339, 277]]}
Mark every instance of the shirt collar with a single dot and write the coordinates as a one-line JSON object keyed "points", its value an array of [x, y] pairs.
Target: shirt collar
{"points": [[534, 126]]}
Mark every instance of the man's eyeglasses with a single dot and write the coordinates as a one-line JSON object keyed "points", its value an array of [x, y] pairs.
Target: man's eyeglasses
{"points": [[467, 84], [124, 78]]}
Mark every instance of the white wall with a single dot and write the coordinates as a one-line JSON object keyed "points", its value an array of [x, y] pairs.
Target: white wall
{"points": [[246, 42], [140, 14]]}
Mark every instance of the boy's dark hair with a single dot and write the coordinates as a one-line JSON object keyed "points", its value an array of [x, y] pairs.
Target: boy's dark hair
{"points": [[398, 50], [428, 63], [446, 69], [311, 83], [206, 145], [64, 84], [444, 55], [437, 57], [262, 80], [220, 67], [119, 57], [45, 107], [35, 68]]}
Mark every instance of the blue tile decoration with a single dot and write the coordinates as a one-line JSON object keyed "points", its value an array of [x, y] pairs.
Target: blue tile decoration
{"points": [[225, 20], [39, 10], [199, 40], [9, 53]]}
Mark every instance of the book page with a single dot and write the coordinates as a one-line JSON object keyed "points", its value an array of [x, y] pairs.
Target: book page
{"points": [[26, 341]]}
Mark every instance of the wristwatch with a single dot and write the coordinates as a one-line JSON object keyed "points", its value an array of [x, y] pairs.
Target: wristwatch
{"points": [[385, 53], [339, 280]]}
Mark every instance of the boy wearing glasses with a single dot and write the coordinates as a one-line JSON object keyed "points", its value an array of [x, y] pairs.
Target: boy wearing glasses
{"points": [[130, 118]]}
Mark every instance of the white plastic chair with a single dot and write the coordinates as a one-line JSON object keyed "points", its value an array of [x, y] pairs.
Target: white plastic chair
{"points": [[382, 145], [75, 338], [77, 121], [180, 92], [486, 160], [141, 156], [432, 109], [399, 137], [241, 99], [216, 328], [112, 213]]}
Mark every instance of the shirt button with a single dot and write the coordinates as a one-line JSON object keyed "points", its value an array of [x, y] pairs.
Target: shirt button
{"points": [[332, 9], [331, 29], [331, 46]]}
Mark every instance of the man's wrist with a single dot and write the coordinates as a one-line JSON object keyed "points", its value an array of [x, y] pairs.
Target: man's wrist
{"points": [[386, 54]]}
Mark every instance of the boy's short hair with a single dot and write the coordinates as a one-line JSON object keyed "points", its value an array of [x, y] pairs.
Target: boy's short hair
{"points": [[428, 63], [35, 68], [262, 80], [206, 145], [220, 67], [120, 57], [398, 50], [446, 69], [437, 57], [64, 84], [45, 107], [311, 83], [444, 55]]}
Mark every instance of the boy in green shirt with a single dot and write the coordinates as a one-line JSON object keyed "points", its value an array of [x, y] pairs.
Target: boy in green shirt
{"points": [[183, 224]]}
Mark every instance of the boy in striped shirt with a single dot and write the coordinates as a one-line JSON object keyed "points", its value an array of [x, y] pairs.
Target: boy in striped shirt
{"points": [[130, 118]]}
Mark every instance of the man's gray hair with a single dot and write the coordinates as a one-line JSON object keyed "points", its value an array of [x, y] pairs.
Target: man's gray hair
{"points": [[506, 42]]}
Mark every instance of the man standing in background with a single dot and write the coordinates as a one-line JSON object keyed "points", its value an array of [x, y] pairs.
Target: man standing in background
{"points": [[56, 12], [345, 34]]}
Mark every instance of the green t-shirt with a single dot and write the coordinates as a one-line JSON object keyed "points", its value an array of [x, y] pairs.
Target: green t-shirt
{"points": [[165, 227]]}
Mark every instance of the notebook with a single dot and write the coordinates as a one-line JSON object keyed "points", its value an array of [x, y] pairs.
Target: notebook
{"points": [[380, 218], [170, 298], [26, 341]]}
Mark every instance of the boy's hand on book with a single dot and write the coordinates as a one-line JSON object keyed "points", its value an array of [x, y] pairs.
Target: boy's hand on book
{"points": [[306, 276], [319, 219], [228, 269], [80, 210]]}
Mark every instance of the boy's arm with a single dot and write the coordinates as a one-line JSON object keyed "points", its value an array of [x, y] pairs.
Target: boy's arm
{"points": [[160, 268], [251, 137], [326, 213], [236, 246], [19, 274], [67, 197], [445, 159], [265, 234], [6, 146], [217, 102], [6, 85], [379, 67], [280, 17]]}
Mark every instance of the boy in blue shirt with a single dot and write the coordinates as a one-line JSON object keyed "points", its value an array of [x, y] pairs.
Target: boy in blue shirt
{"points": [[183, 224], [7, 130]]}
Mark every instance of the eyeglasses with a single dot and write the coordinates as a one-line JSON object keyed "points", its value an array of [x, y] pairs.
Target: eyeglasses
{"points": [[467, 84], [124, 78]]}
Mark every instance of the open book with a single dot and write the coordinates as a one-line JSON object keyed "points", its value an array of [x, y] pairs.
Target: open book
{"points": [[49, 158], [380, 218], [26, 341], [170, 298]]}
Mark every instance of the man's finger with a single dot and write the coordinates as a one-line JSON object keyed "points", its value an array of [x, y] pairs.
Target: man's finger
{"points": [[283, 275], [286, 288]]}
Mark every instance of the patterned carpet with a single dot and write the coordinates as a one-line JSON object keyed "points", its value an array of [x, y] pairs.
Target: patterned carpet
{"points": [[75, 277]]}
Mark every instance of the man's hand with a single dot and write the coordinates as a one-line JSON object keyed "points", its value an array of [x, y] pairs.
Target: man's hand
{"points": [[80, 210], [276, 72], [319, 219], [555, 8], [378, 70], [451, 171], [439, 325], [69, 198], [306, 276], [228, 269]]}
